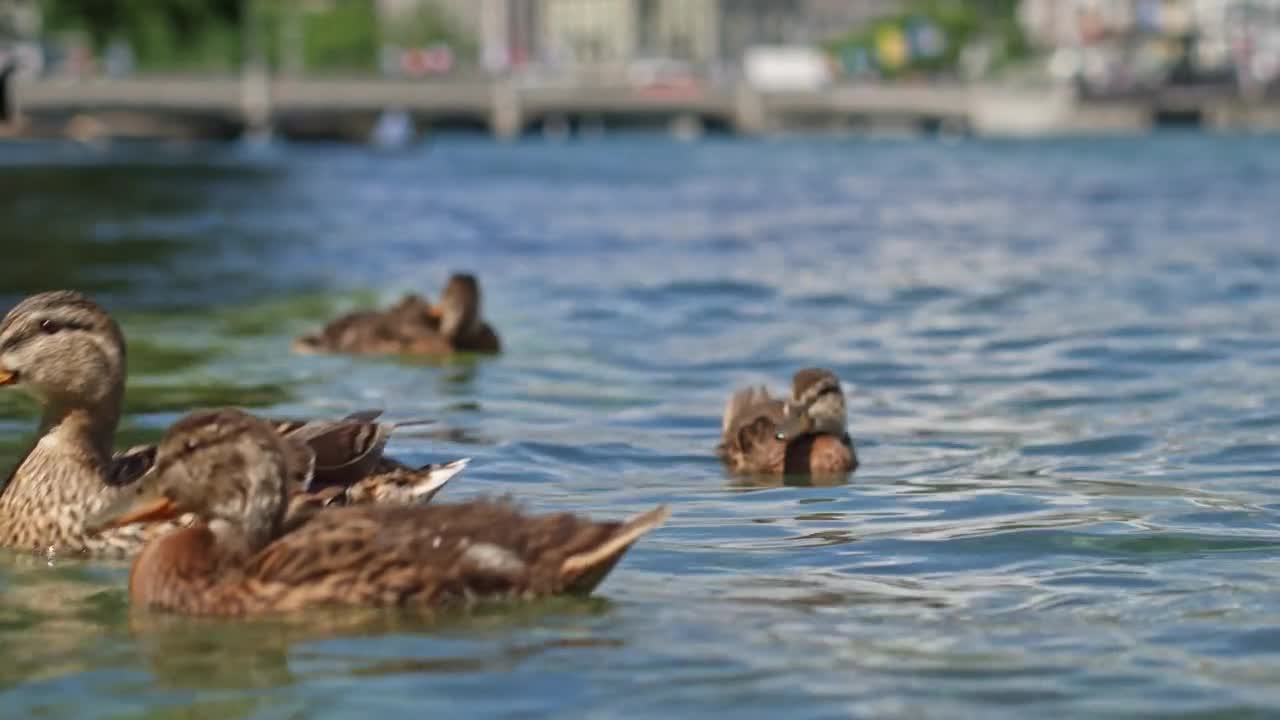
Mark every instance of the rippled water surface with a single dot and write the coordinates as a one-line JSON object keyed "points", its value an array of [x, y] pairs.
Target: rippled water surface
{"points": [[1062, 359]]}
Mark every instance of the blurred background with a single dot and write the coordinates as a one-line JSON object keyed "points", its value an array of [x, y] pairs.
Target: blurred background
{"points": [[356, 69], [1035, 239]]}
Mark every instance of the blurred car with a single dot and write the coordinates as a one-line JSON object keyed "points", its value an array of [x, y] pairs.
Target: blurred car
{"points": [[663, 76], [786, 68]]}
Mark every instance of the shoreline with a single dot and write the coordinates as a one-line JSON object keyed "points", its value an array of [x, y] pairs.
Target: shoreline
{"points": [[392, 112]]}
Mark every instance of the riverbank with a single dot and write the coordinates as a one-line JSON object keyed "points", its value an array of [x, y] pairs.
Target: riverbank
{"points": [[357, 109]]}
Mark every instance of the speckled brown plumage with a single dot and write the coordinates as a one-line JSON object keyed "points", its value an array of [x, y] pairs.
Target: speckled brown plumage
{"points": [[804, 434], [249, 559], [411, 327], [70, 355]]}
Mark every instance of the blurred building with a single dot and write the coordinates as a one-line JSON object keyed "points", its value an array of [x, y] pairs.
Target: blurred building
{"points": [[590, 32], [1127, 42], [702, 31], [20, 25], [1061, 23], [504, 32], [19, 20], [605, 33], [826, 18], [613, 34], [677, 29]]}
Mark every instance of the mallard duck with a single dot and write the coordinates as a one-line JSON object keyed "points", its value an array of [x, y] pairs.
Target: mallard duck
{"points": [[411, 327], [231, 470], [69, 354], [805, 434]]}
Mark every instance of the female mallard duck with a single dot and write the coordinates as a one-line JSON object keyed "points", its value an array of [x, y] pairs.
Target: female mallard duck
{"points": [[69, 354], [231, 470], [411, 327], [805, 434]]}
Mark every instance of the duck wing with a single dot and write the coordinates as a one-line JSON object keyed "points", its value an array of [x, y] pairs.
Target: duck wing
{"points": [[750, 417], [435, 555], [345, 453]]}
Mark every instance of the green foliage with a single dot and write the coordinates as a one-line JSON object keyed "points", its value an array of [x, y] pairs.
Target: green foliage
{"points": [[345, 37], [961, 22], [210, 34], [163, 33]]}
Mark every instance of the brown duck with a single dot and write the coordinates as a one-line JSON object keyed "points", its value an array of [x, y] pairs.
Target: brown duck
{"points": [[69, 354], [804, 434], [231, 470], [411, 327]]}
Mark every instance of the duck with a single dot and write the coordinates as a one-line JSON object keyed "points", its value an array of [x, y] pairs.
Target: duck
{"points": [[807, 433], [411, 327], [241, 558], [68, 353]]}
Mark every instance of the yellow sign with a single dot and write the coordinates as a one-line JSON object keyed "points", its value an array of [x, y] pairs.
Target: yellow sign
{"points": [[891, 47]]}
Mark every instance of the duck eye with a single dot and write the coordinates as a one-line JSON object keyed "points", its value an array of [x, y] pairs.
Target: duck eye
{"points": [[189, 445], [49, 327]]}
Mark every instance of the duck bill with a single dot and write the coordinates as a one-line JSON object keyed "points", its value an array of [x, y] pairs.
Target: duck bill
{"points": [[7, 377], [793, 427], [132, 510]]}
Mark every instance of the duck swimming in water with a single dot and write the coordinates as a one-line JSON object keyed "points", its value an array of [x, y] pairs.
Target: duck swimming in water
{"points": [[806, 433], [412, 327], [69, 354], [231, 470]]}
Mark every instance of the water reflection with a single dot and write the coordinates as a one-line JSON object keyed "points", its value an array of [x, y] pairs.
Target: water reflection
{"points": [[51, 617], [839, 592], [125, 225], [202, 653], [749, 482]]}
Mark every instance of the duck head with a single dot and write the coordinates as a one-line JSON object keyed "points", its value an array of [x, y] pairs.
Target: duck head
{"points": [[64, 350], [816, 406], [460, 306], [225, 466]]}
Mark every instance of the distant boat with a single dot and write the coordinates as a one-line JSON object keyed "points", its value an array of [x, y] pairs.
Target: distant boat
{"points": [[687, 128], [394, 129], [257, 138]]}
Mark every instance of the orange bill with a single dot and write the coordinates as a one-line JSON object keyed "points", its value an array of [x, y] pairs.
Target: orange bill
{"points": [[132, 510], [7, 377]]}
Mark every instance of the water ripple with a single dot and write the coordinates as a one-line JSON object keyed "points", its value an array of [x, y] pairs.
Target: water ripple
{"points": [[1061, 359]]}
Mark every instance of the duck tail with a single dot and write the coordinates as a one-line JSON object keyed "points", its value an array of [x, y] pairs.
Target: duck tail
{"points": [[583, 571], [435, 477], [739, 403], [412, 423], [400, 485]]}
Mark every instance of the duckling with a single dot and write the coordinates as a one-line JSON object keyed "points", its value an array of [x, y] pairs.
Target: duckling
{"points": [[805, 434], [69, 354], [230, 469], [411, 327]]}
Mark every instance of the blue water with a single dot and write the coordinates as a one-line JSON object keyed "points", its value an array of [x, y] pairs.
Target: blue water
{"points": [[1063, 368]]}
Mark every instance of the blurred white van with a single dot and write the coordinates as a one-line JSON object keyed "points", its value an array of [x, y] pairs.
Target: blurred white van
{"points": [[786, 67]]}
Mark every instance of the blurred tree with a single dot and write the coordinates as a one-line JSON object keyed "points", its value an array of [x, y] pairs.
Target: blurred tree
{"points": [[958, 22], [161, 33], [210, 34], [343, 37]]}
